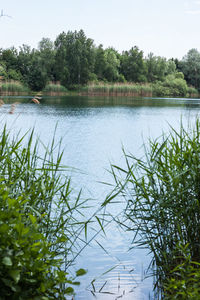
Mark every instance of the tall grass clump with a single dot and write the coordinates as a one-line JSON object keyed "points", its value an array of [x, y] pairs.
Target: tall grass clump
{"points": [[162, 194], [52, 89], [40, 227], [117, 89], [13, 88]]}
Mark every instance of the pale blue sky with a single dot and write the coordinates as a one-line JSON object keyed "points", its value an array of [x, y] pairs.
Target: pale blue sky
{"points": [[165, 27]]}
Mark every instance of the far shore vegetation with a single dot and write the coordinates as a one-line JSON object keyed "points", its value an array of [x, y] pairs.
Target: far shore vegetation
{"points": [[73, 63]]}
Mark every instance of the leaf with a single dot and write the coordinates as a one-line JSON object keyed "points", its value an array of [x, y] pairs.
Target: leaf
{"points": [[76, 283], [69, 290], [15, 274], [100, 224], [7, 261], [32, 218], [81, 272]]}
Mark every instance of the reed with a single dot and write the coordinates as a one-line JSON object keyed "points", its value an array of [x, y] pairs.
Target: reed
{"points": [[38, 190], [13, 88], [162, 195], [117, 89], [55, 89]]}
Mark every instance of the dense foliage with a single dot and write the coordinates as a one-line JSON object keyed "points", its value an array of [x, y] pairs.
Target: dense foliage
{"points": [[73, 59], [29, 269]]}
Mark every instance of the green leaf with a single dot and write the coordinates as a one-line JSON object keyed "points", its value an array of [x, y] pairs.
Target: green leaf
{"points": [[42, 287], [32, 218], [7, 261], [100, 225], [15, 274], [69, 290], [81, 272], [76, 283]]}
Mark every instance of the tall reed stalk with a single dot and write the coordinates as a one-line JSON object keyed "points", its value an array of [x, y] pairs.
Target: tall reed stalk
{"points": [[162, 194], [117, 89]]}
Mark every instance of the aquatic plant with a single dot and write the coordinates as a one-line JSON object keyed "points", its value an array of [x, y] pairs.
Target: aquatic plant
{"points": [[162, 199], [184, 279], [38, 209], [121, 89], [13, 87]]}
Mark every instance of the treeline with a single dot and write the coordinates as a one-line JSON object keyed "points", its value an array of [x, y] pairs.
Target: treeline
{"points": [[74, 60]]}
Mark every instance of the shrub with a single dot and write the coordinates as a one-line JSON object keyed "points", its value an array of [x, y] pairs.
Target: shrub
{"points": [[173, 85], [28, 268]]}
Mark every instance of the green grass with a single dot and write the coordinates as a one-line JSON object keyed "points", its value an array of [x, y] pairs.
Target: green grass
{"points": [[162, 195]]}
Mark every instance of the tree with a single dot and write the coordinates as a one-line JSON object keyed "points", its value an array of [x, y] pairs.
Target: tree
{"points": [[190, 65], [100, 62], [132, 65], [47, 57], [112, 64], [74, 58], [9, 57]]}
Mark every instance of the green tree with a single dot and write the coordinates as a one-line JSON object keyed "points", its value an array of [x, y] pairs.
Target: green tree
{"points": [[132, 65], [9, 57], [24, 61], [112, 64], [190, 65], [74, 58], [100, 62], [47, 57], [158, 67], [37, 77]]}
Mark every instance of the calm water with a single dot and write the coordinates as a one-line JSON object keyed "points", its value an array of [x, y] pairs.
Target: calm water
{"points": [[94, 131]]}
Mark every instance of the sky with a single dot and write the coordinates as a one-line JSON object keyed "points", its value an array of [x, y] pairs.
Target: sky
{"points": [[168, 28]]}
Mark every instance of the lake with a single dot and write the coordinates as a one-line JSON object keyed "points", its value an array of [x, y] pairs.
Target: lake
{"points": [[93, 132]]}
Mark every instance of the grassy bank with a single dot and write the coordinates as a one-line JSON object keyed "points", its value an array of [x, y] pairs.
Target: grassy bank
{"points": [[163, 212]]}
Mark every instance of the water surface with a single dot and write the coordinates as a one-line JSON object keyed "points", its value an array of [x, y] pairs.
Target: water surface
{"points": [[94, 130]]}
